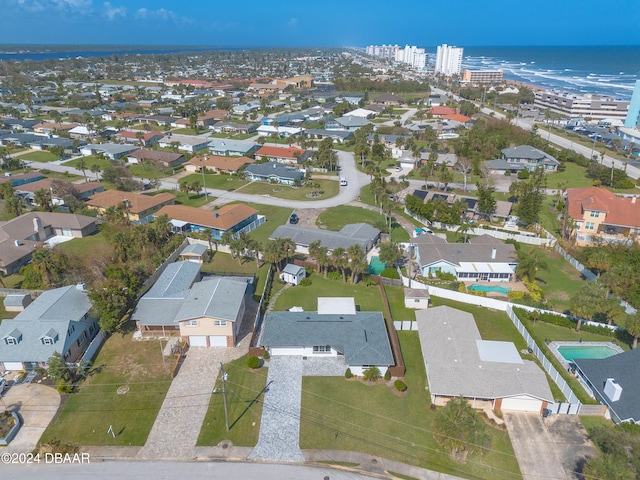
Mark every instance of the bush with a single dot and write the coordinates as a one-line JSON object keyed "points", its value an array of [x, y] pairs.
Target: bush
{"points": [[400, 385], [390, 273], [266, 355], [309, 270], [64, 388], [305, 282], [348, 373], [446, 276], [523, 174], [387, 375], [335, 276], [253, 362]]}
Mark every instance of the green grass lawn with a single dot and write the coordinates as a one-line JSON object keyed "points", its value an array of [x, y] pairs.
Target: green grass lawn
{"points": [[557, 333], [395, 296], [337, 217], [245, 393], [367, 298], [329, 187], [148, 171], [64, 175], [90, 160], [224, 263], [13, 281], [81, 247], [190, 200], [560, 282], [275, 216], [188, 131], [549, 216], [87, 414], [219, 181], [574, 176], [40, 156], [337, 414]]}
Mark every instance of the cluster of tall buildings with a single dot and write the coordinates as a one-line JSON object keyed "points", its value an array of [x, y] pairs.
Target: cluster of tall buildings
{"points": [[413, 56], [448, 60]]}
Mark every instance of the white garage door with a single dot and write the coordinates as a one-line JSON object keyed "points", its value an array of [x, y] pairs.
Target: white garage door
{"points": [[217, 341], [198, 340], [522, 404], [13, 366]]}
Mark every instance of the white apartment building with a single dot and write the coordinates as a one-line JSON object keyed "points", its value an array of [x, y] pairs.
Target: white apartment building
{"points": [[448, 60], [413, 56], [589, 106]]}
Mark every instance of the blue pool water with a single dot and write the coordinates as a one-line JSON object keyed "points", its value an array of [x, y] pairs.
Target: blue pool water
{"points": [[490, 288], [572, 352], [376, 266]]}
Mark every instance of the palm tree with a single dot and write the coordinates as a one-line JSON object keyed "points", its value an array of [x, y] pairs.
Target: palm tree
{"points": [[323, 259], [339, 261], [529, 266], [95, 168], [464, 228], [254, 246], [272, 253], [357, 261], [314, 249], [600, 261], [185, 188], [632, 324], [43, 198], [607, 466], [81, 164], [372, 374]]}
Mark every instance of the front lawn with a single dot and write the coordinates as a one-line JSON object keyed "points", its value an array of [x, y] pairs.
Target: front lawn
{"points": [[245, 394], [90, 160], [218, 181], [367, 298], [275, 216], [190, 200], [337, 414], [329, 188], [86, 415], [337, 217], [40, 156], [80, 248], [150, 172]]}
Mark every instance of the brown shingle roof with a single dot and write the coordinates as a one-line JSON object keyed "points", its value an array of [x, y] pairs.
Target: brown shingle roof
{"points": [[227, 216], [221, 162], [280, 152], [137, 202]]}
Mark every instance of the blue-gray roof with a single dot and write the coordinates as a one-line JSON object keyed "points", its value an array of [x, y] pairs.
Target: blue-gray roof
{"points": [[217, 297], [331, 133], [355, 233], [194, 248], [623, 368], [226, 145], [175, 281], [362, 338], [292, 269], [60, 314], [274, 169]]}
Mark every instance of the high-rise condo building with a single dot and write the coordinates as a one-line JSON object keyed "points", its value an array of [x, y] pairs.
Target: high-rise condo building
{"points": [[448, 60], [633, 114]]}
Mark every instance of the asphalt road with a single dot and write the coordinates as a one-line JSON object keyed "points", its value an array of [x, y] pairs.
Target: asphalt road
{"points": [[173, 470]]}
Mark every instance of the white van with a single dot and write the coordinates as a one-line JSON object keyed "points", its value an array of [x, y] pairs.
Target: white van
{"points": [[343, 182]]}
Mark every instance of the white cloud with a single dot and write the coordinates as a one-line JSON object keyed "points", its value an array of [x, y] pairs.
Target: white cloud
{"points": [[112, 12], [78, 6], [160, 14]]}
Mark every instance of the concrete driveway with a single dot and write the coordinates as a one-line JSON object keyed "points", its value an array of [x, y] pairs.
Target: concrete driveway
{"points": [[555, 447], [37, 405]]}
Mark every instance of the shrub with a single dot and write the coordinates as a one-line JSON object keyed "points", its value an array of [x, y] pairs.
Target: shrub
{"points": [[64, 388], [253, 362], [387, 375], [507, 173], [309, 270], [400, 385], [266, 355], [390, 273], [446, 276], [348, 373], [305, 282], [372, 374], [523, 174], [335, 276]]}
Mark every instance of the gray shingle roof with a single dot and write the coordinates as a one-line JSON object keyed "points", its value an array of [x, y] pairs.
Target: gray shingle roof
{"points": [[432, 249], [624, 368], [194, 248], [448, 338], [361, 338], [218, 297], [360, 233], [274, 169]]}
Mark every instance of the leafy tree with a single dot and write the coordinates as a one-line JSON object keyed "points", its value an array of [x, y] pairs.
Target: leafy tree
{"points": [[530, 197], [7, 190], [110, 301], [587, 302], [390, 254], [486, 201], [460, 429], [632, 324], [58, 369]]}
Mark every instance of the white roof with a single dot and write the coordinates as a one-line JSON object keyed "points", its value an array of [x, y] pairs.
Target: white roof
{"points": [[362, 112], [336, 306]]}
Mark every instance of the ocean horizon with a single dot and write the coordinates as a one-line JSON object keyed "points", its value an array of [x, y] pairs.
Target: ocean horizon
{"points": [[604, 70]]}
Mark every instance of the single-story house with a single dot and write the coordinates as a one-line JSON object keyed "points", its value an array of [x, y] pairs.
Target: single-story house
{"points": [[163, 159], [483, 258], [416, 298], [273, 172], [58, 320], [138, 207], [362, 234], [490, 374], [281, 132], [227, 147], [194, 252], [359, 338], [217, 163], [162, 120], [293, 274], [502, 210], [186, 143], [145, 139], [339, 136], [112, 151], [234, 218], [17, 302], [349, 123], [80, 190], [22, 178], [21, 236], [387, 99], [235, 128], [287, 155], [210, 117], [362, 112], [615, 382]]}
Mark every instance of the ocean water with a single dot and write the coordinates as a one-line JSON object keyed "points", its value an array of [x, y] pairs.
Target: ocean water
{"points": [[610, 70]]}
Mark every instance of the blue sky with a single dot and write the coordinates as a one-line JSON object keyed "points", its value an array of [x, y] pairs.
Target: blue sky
{"points": [[303, 23]]}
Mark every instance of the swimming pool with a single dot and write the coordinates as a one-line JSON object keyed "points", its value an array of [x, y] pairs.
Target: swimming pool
{"points": [[376, 266], [490, 288], [571, 352]]}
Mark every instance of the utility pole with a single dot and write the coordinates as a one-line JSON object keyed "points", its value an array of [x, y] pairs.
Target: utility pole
{"points": [[206, 194], [223, 377]]}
